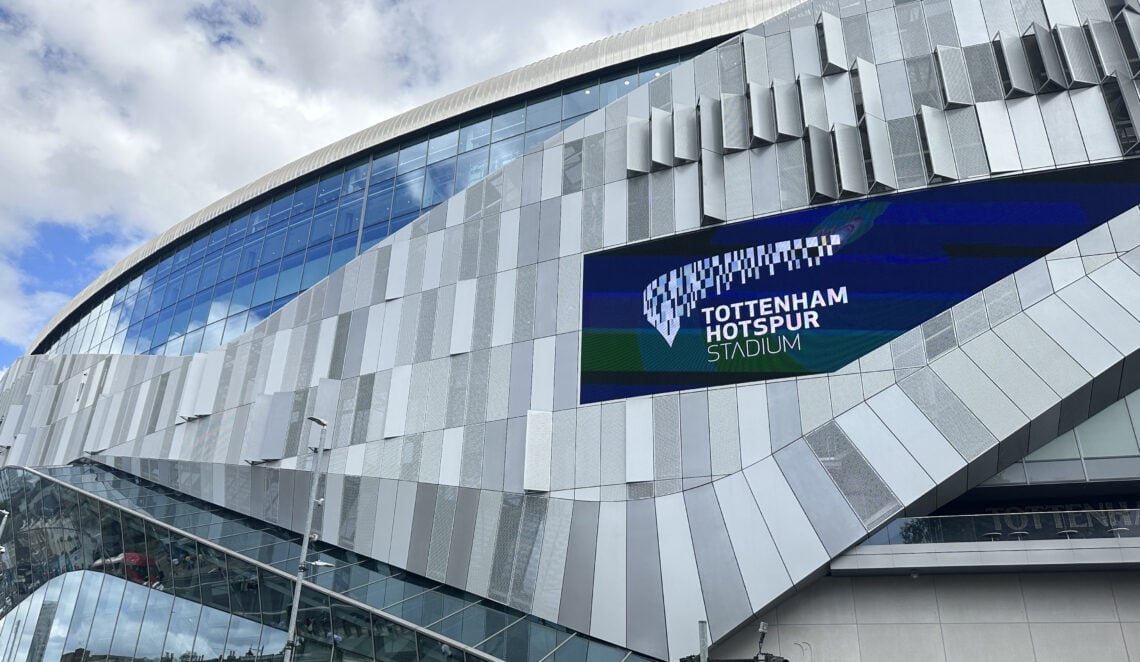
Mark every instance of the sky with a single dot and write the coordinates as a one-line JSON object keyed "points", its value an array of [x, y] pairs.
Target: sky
{"points": [[119, 118]]}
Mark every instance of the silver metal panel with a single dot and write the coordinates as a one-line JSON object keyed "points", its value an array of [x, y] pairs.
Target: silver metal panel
{"points": [[858, 482], [805, 49], [997, 136], [1044, 59], [839, 99], [954, 79], [1076, 59], [914, 431], [679, 577], [1013, 67], [1029, 132], [813, 103], [895, 465], [661, 138], [755, 59], [1100, 136], [824, 181], [1123, 106], [992, 407], [761, 568], [763, 113], [970, 22], [696, 454], [1108, 55], [608, 612], [849, 157], [722, 585], [831, 517], [881, 174], [735, 122], [832, 49], [713, 201], [637, 146], [789, 120], [711, 129], [645, 602], [686, 134], [952, 418], [938, 150]]}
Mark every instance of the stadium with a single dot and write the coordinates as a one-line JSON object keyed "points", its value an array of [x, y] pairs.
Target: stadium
{"points": [[806, 331]]}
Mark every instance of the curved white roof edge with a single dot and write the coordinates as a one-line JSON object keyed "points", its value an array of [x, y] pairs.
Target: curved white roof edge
{"points": [[723, 19]]}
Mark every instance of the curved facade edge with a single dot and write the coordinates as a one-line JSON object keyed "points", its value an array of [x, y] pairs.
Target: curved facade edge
{"points": [[718, 20]]}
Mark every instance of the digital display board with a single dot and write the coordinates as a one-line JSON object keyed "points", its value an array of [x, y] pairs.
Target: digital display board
{"points": [[810, 291]]}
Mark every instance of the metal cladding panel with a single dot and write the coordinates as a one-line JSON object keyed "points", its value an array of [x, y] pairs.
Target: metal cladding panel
{"points": [[1013, 66], [661, 138], [881, 174], [638, 148], [953, 76], [849, 157], [686, 134], [824, 181], [865, 87], [938, 149], [1076, 58], [997, 136], [1044, 59], [735, 122], [812, 102], [762, 106], [789, 118], [832, 49]]}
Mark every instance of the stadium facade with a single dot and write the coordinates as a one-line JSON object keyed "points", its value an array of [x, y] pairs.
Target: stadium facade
{"points": [[823, 316]]}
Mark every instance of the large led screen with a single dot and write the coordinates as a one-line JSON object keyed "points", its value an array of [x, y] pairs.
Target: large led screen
{"points": [[810, 291]]}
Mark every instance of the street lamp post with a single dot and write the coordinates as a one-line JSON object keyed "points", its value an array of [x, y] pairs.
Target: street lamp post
{"points": [[291, 636]]}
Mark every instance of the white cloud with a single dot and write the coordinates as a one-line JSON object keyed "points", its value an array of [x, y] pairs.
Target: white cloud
{"points": [[120, 118]]}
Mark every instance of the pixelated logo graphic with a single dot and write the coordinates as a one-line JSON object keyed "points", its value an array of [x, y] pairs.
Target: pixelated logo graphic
{"points": [[673, 296], [810, 291]]}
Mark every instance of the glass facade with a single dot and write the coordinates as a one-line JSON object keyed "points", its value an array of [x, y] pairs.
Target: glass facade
{"points": [[211, 286], [110, 585]]}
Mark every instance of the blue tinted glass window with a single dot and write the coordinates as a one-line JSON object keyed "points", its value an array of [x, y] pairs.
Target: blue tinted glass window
{"points": [[266, 283], [409, 192], [173, 289], [412, 157], [297, 236], [217, 240], [654, 70], [281, 206], [164, 266], [441, 147], [542, 113], [229, 265], [197, 250], [505, 151], [258, 219], [379, 207], [162, 326], [290, 277], [316, 265], [348, 218], [355, 177], [323, 226], [400, 221], [579, 101], [212, 335], [201, 310], [535, 138], [181, 317], [439, 182], [235, 326], [470, 167], [243, 292], [344, 249], [273, 247], [383, 167], [372, 235], [618, 87], [220, 307], [239, 228], [304, 199], [508, 123], [181, 258], [192, 342], [475, 135], [328, 188], [250, 253]]}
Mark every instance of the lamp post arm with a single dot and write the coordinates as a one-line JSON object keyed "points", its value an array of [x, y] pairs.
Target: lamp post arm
{"points": [[291, 636]]}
